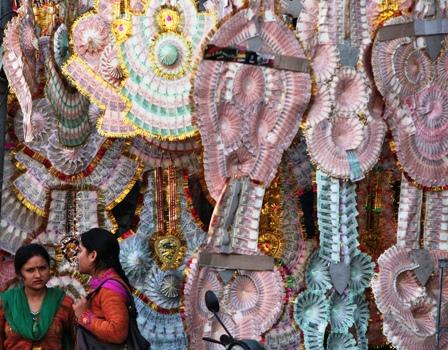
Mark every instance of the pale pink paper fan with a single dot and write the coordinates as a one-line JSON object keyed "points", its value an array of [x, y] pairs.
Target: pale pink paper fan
{"points": [[308, 24], [422, 147], [324, 61], [321, 106], [258, 295], [395, 287], [399, 67], [442, 66], [19, 62], [91, 35], [436, 230], [329, 141], [110, 67], [351, 91], [422, 335], [285, 95]]}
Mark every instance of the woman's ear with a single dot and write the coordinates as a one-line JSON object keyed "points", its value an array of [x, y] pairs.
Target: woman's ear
{"points": [[92, 256]]}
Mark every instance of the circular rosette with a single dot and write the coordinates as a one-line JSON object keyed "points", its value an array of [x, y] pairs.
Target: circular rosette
{"points": [[351, 91], [92, 34], [325, 62], [317, 274], [258, 295], [110, 67], [338, 341], [72, 160], [61, 45], [321, 106], [170, 55], [230, 126], [342, 311], [400, 67], [135, 259], [72, 286], [422, 149], [248, 86], [361, 271], [163, 288], [346, 147], [308, 24], [418, 331], [361, 314], [42, 122], [311, 309], [395, 286]]}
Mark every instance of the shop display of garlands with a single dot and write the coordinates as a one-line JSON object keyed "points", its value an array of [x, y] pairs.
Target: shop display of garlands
{"points": [[291, 156]]}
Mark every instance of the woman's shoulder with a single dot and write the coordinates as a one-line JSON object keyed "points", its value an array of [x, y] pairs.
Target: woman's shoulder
{"points": [[116, 286]]}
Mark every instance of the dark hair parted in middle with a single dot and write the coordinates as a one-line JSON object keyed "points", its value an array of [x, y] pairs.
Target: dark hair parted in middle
{"points": [[26, 252], [107, 251]]}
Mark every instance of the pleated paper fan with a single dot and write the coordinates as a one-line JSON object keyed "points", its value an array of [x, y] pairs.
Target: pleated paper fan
{"points": [[324, 61], [61, 45], [43, 121], [423, 152], [342, 311], [361, 271], [311, 309], [314, 336], [338, 341], [345, 147], [163, 287], [432, 286], [317, 275], [361, 314], [163, 331], [19, 62], [308, 24], [395, 286], [135, 259], [258, 296], [350, 90]]}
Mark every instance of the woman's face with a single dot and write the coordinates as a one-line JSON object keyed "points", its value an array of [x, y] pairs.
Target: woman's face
{"points": [[86, 260], [35, 273]]}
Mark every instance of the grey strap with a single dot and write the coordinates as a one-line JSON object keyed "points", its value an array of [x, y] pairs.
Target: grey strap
{"points": [[237, 262], [418, 27]]}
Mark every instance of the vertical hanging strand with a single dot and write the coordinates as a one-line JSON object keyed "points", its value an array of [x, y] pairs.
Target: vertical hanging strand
{"points": [[172, 200], [158, 174]]}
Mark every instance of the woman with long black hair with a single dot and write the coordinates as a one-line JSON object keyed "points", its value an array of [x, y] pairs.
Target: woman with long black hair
{"points": [[106, 314]]}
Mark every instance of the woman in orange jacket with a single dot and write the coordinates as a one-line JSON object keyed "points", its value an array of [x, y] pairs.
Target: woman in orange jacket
{"points": [[106, 314]]}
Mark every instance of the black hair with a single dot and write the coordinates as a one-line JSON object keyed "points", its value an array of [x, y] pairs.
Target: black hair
{"points": [[107, 251], [26, 252]]}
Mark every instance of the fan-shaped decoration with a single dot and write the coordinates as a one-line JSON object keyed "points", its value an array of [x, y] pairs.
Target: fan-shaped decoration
{"points": [[346, 147], [135, 258], [321, 106], [163, 288], [158, 58], [270, 127], [351, 91], [361, 271], [110, 67], [342, 311], [308, 24], [395, 286], [317, 274], [362, 317], [42, 122], [61, 45], [311, 308], [324, 62], [338, 341], [19, 61]]}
